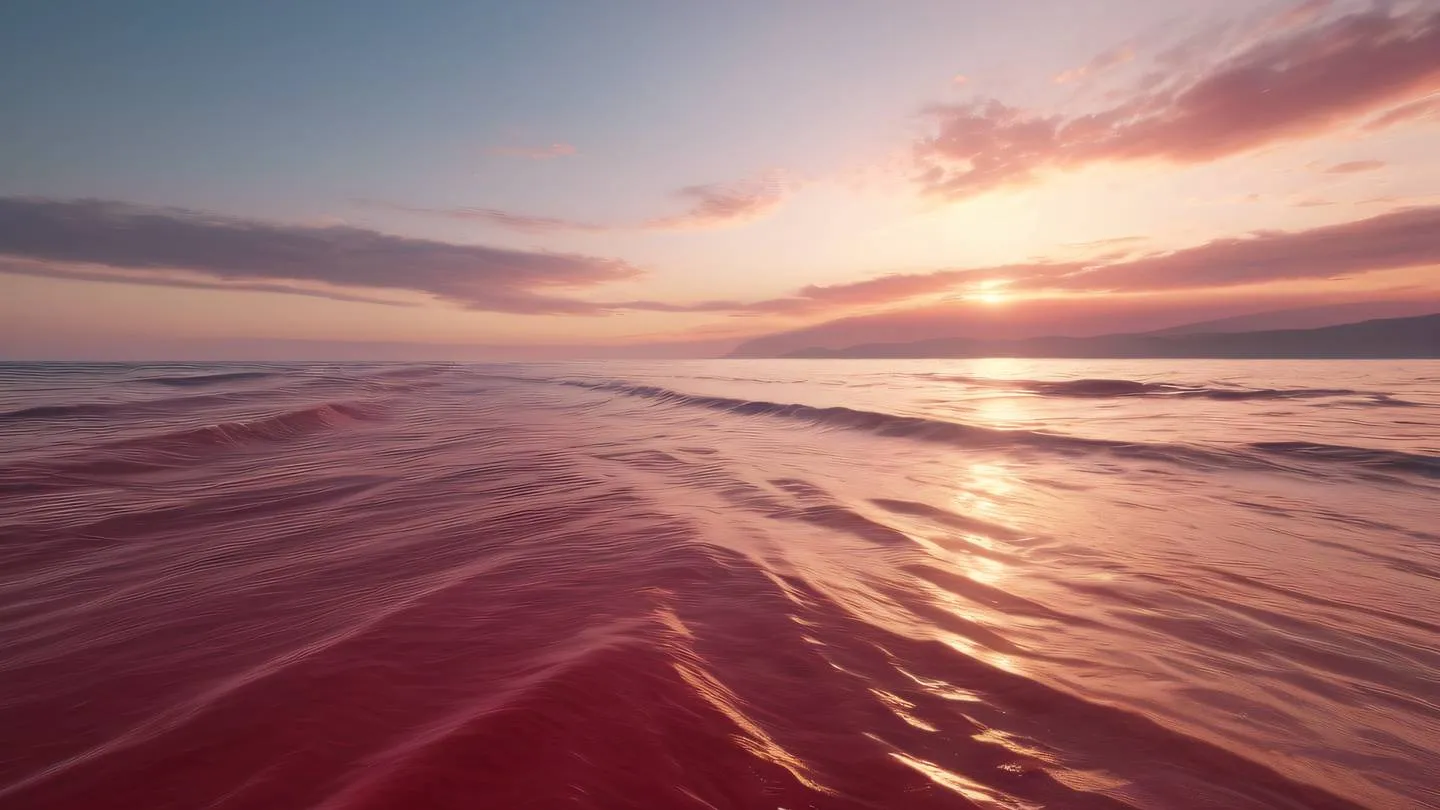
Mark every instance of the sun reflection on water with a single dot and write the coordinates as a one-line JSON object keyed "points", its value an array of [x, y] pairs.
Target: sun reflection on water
{"points": [[974, 791]]}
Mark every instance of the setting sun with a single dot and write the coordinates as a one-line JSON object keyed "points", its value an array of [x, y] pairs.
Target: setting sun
{"points": [[990, 291]]}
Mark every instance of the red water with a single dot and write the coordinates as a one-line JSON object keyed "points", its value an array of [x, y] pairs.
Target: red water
{"points": [[722, 586]]}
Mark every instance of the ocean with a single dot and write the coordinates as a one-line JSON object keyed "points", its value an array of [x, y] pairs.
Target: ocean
{"points": [[720, 584]]}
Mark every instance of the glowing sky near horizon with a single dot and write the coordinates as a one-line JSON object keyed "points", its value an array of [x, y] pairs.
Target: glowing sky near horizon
{"points": [[582, 174]]}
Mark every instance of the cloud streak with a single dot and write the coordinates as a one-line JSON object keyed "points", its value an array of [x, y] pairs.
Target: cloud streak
{"points": [[711, 205], [1355, 166], [1396, 240], [1424, 109], [187, 248], [1400, 239], [721, 204], [1295, 83], [179, 280], [1108, 60], [524, 223], [104, 241]]}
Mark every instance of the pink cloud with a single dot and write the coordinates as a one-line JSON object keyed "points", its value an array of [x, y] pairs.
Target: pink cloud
{"points": [[85, 239], [100, 241], [718, 204], [1295, 84], [1090, 315], [1424, 109], [1356, 166], [709, 206], [881, 290], [181, 280], [554, 150], [1399, 239], [1103, 62], [1299, 15], [496, 216]]}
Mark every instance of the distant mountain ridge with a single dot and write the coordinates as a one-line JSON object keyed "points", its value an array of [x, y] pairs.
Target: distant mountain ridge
{"points": [[1304, 317], [1385, 338]]}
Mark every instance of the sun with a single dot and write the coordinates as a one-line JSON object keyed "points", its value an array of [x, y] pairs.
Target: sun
{"points": [[990, 292]]}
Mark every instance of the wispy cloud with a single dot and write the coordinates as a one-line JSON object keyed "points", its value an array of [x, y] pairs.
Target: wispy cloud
{"points": [[107, 241], [1113, 246], [1395, 240], [1355, 166], [1425, 109], [182, 248], [1298, 15], [1408, 202], [707, 206], [1104, 61], [1292, 83], [721, 204], [496, 216], [1400, 239], [549, 152], [180, 279]]}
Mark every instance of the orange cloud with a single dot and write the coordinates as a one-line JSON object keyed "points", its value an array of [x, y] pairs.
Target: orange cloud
{"points": [[1108, 244], [1294, 84]]}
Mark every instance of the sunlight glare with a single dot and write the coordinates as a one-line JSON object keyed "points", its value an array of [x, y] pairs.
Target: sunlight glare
{"points": [[990, 291]]}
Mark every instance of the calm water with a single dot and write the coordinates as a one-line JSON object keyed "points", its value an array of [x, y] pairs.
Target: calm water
{"points": [[767, 584]]}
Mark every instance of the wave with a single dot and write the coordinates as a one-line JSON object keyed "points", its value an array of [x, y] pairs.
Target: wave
{"points": [[79, 409], [1253, 456], [408, 372], [94, 410], [725, 697], [581, 591], [275, 427], [169, 450], [188, 380], [1100, 388], [1369, 457]]}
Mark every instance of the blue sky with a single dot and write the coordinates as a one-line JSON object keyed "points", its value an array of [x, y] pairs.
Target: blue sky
{"points": [[246, 106]]}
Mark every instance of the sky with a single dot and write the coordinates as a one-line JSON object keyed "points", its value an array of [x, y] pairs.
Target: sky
{"points": [[660, 178]]}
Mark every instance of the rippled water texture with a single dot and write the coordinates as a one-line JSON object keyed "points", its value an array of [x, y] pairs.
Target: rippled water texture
{"points": [[778, 584]]}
